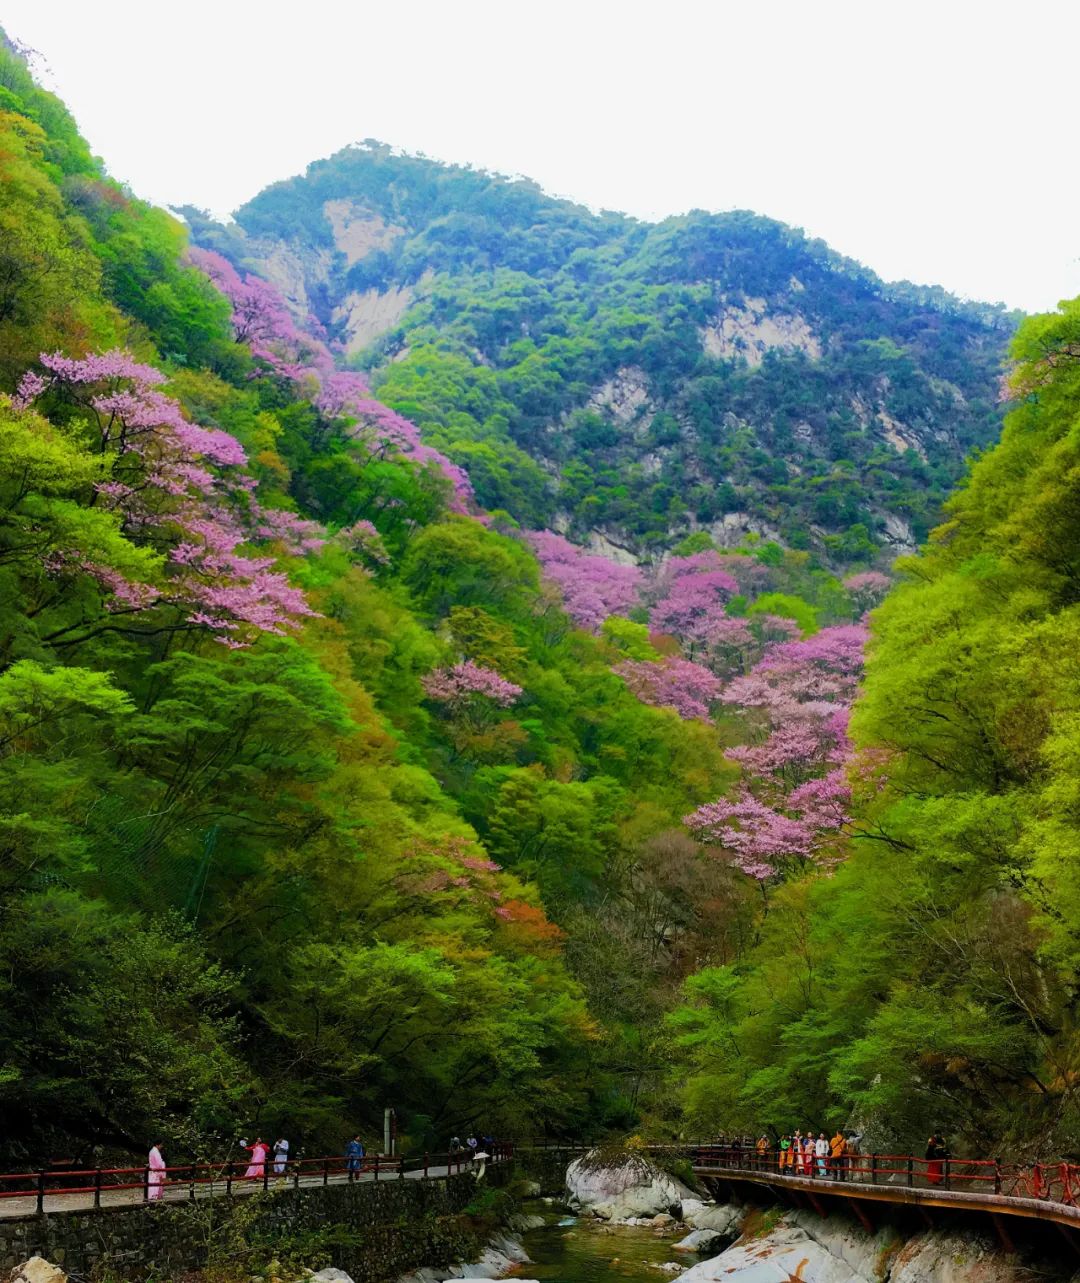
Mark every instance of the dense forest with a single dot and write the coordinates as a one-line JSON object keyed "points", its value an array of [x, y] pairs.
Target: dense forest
{"points": [[338, 770], [716, 373]]}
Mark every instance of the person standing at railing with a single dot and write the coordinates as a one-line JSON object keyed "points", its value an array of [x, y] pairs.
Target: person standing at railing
{"points": [[785, 1152], [837, 1148], [821, 1151], [354, 1157], [936, 1153], [762, 1148], [155, 1177], [281, 1156], [257, 1166]]}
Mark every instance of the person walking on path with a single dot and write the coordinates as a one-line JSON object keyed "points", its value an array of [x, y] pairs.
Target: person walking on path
{"points": [[257, 1166], [837, 1147], [155, 1176], [936, 1153], [281, 1156], [354, 1157], [762, 1148]]}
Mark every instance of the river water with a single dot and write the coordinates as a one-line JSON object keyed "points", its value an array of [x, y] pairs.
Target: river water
{"points": [[569, 1250]]}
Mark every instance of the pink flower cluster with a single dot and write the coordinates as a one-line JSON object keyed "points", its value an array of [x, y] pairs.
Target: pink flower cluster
{"points": [[459, 685], [795, 704], [262, 321], [177, 482], [688, 688], [867, 588], [592, 587]]}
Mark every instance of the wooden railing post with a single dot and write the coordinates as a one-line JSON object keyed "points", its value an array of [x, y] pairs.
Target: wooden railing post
{"points": [[266, 1174], [146, 1185], [326, 1171], [425, 1166], [401, 1167], [191, 1182], [997, 1175], [945, 1168], [911, 1170], [376, 1167], [873, 1169], [97, 1187], [228, 1177], [41, 1193]]}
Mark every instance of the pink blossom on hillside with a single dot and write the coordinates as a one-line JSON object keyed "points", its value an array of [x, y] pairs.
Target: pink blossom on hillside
{"points": [[688, 688], [261, 320], [867, 589], [694, 606], [459, 685], [593, 588], [176, 483], [762, 838]]}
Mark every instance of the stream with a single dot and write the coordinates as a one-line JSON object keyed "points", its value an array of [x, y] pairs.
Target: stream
{"points": [[572, 1250]]}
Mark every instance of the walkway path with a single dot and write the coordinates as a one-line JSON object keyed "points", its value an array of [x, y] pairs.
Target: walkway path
{"points": [[182, 1190]]}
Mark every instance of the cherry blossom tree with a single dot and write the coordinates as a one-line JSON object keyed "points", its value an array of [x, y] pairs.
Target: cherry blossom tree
{"points": [[867, 589], [180, 488], [464, 683], [688, 688], [262, 320], [593, 588]]}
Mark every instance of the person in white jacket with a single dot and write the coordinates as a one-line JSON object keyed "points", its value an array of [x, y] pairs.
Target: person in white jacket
{"points": [[821, 1150]]}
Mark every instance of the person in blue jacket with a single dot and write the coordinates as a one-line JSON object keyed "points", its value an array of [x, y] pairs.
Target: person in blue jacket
{"points": [[354, 1155]]}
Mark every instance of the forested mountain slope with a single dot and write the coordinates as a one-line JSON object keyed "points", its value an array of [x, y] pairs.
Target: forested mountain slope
{"points": [[934, 980], [633, 382], [331, 779]]}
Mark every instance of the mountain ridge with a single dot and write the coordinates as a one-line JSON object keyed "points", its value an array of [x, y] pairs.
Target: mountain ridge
{"points": [[716, 373]]}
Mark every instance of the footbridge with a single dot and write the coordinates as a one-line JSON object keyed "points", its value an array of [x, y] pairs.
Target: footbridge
{"points": [[1048, 1192]]}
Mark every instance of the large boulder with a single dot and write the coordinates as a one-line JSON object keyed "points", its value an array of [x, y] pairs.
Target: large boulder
{"points": [[621, 1187], [786, 1252]]}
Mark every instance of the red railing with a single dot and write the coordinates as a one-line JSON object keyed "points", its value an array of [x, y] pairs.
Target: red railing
{"points": [[212, 1179], [1047, 1182]]}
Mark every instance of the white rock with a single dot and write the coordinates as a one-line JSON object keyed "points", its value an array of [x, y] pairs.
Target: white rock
{"points": [[723, 1218], [702, 1241], [38, 1270], [331, 1275], [530, 1189], [786, 1252], [636, 1187]]}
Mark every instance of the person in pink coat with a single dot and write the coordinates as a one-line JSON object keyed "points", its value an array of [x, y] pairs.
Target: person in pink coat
{"points": [[257, 1166], [155, 1177]]}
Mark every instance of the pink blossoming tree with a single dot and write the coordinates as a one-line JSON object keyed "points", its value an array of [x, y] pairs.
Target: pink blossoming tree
{"points": [[178, 487]]}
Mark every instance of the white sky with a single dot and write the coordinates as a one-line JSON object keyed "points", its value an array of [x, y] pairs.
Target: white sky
{"points": [[932, 141]]}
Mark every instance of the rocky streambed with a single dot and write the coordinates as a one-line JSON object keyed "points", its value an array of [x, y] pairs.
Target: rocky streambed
{"points": [[708, 1242]]}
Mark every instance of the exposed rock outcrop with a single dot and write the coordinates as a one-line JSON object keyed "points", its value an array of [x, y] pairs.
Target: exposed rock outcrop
{"points": [[749, 330], [622, 1189], [804, 1246]]}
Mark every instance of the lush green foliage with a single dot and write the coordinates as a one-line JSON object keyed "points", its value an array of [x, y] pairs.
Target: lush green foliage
{"points": [[281, 886], [932, 982], [644, 380]]}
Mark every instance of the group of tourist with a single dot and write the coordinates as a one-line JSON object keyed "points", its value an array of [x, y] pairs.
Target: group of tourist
{"points": [[810, 1155], [836, 1158], [472, 1146], [259, 1151]]}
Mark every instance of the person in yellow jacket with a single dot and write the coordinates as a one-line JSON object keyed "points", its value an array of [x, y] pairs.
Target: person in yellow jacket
{"points": [[837, 1150]]}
